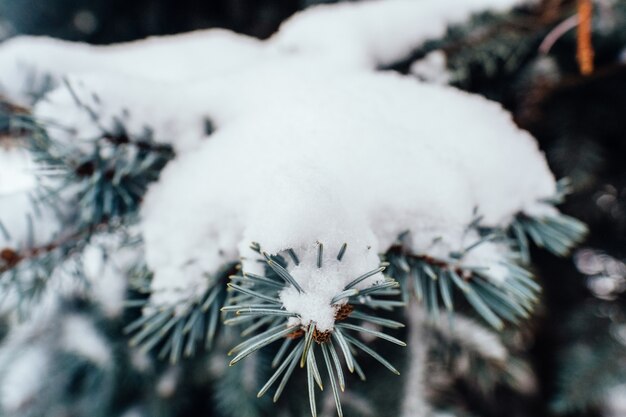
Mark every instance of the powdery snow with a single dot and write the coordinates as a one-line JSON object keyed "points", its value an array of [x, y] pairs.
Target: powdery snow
{"points": [[473, 337], [312, 145], [432, 68], [79, 336], [22, 378], [356, 159], [614, 403], [320, 285], [138, 104], [16, 174], [22, 222], [353, 35], [30, 65], [106, 263], [374, 33]]}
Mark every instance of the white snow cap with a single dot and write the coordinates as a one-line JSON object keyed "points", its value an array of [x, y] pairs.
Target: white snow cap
{"points": [[30, 64], [140, 105], [356, 158], [312, 145], [363, 34], [322, 284], [375, 33], [305, 153]]}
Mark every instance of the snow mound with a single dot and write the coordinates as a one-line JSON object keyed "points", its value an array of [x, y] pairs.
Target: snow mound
{"points": [[368, 34], [31, 65], [357, 158], [312, 145], [363, 35]]}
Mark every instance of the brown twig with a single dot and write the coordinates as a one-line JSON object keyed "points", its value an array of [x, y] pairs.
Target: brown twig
{"points": [[10, 258], [585, 52]]}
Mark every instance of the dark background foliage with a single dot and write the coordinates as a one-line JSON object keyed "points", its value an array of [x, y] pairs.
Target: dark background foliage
{"points": [[106, 21]]}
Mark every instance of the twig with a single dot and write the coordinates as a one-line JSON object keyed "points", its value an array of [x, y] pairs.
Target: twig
{"points": [[585, 51], [556, 34]]}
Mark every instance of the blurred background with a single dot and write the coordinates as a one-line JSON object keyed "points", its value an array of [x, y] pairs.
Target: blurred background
{"points": [[105, 21], [576, 343]]}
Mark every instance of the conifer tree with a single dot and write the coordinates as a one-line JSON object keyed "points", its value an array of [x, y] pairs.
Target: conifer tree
{"points": [[352, 217]]}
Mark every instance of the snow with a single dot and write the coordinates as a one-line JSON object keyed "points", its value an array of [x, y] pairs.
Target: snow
{"points": [[368, 34], [356, 159], [432, 68], [28, 64], [614, 404], [320, 285], [79, 336], [106, 263], [352, 35], [473, 337], [138, 104], [16, 174], [17, 211], [312, 144], [22, 378], [16, 214], [31, 347]]}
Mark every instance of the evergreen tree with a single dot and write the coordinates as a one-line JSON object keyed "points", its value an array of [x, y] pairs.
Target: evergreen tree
{"points": [[318, 210]]}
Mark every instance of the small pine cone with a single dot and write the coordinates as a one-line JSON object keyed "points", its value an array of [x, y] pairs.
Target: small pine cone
{"points": [[343, 312], [321, 337], [9, 257]]}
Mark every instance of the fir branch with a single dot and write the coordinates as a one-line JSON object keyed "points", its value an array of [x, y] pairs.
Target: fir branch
{"points": [[25, 272], [11, 258], [78, 376], [235, 388], [433, 282], [177, 331], [557, 233], [464, 349], [109, 181], [15, 120], [107, 176], [300, 342]]}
